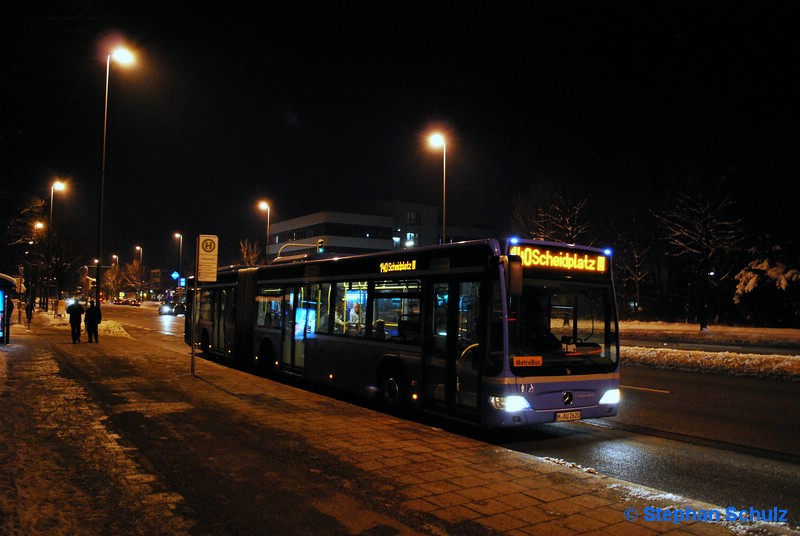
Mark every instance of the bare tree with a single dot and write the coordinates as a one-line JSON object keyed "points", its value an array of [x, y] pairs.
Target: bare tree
{"points": [[632, 266], [113, 280], [699, 230], [250, 252], [133, 277], [552, 215]]}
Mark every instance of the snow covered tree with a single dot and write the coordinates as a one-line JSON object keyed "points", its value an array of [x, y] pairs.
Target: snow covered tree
{"points": [[768, 290]]}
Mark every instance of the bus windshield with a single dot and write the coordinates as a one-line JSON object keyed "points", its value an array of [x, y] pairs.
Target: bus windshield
{"points": [[562, 328]]}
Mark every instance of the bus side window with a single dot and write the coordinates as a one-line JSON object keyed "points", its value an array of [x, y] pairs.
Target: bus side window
{"points": [[355, 297], [408, 328], [268, 307], [322, 292]]}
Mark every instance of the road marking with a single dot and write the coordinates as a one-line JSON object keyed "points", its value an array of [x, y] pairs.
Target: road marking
{"points": [[646, 389]]}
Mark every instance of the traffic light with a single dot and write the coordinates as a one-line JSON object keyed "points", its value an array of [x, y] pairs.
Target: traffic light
{"points": [[320, 246]]}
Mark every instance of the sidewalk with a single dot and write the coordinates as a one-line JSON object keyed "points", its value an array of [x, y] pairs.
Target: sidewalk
{"points": [[458, 484]]}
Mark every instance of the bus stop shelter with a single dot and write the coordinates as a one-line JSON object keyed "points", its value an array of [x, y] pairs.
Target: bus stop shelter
{"points": [[7, 286]]}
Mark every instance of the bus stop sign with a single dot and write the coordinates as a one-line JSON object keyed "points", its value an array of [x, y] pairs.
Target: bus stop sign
{"points": [[207, 250]]}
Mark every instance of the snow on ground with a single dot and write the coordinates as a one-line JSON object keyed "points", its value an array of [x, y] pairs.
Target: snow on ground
{"points": [[737, 364], [106, 328], [731, 363]]}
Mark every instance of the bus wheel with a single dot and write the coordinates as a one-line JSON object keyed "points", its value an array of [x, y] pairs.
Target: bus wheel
{"points": [[394, 389]]}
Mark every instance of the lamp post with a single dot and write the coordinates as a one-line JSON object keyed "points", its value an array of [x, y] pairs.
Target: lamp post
{"points": [[437, 140], [179, 236], [264, 206], [60, 186], [124, 57], [140, 249]]}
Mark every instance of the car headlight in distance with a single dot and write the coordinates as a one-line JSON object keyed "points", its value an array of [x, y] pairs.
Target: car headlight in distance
{"points": [[611, 397], [509, 403]]}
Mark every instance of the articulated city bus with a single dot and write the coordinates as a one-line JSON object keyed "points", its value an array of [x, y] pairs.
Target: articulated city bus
{"points": [[499, 333]]}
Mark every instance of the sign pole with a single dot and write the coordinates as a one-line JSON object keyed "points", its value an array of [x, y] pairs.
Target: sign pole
{"points": [[206, 248]]}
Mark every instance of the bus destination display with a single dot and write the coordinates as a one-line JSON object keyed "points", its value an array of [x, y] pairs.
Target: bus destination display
{"points": [[538, 257]]}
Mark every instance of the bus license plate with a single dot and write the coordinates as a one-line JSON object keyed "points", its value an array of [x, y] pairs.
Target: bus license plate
{"points": [[568, 416]]}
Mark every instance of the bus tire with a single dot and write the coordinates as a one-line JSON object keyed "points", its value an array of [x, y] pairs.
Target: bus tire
{"points": [[394, 389]]}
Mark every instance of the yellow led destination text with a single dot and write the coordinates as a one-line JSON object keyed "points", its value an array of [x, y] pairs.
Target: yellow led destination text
{"points": [[399, 266], [561, 260]]}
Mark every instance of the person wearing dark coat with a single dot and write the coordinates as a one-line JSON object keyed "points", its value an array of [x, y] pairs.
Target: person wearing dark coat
{"points": [[29, 311], [75, 312], [92, 320]]}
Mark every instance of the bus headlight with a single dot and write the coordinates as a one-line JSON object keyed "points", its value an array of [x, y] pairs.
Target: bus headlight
{"points": [[611, 397], [509, 403]]}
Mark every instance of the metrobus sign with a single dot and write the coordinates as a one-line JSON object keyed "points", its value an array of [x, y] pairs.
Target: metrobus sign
{"points": [[538, 257]]}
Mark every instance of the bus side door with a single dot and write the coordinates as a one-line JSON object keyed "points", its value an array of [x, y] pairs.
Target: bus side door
{"points": [[453, 352], [439, 349], [300, 318]]}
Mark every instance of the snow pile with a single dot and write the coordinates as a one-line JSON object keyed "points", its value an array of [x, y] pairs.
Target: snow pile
{"points": [[571, 465], [107, 327], [756, 365], [735, 364]]}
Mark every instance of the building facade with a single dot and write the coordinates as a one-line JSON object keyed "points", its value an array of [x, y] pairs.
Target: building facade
{"points": [[394, 225]]}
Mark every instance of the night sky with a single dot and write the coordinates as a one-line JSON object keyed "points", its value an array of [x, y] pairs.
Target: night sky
{"points": [[327, 106]]}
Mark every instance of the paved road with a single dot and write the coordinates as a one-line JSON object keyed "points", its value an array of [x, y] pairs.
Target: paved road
{"points": [[118, 437]]}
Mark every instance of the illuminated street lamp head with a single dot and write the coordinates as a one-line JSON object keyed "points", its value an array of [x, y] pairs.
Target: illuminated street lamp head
{"points": [[436, 140], [178, 235], [122, 56], [60, 186], [38, 225], [263, 205]]}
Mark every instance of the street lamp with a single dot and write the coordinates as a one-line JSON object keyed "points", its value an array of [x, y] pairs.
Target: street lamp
{"points": [[179, 236], [437, 140], [264, 206], [140, 249], [114, 260], [60, 186], [125, 57]]}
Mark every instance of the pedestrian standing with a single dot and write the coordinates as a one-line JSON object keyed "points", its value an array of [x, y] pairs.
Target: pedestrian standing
{"points": [[29, 311], [92, 320], [75, 311]]}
